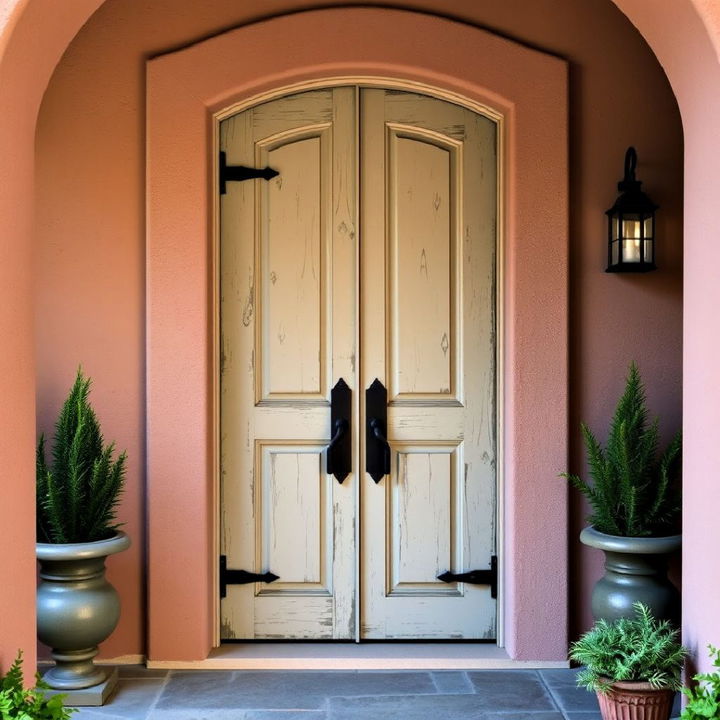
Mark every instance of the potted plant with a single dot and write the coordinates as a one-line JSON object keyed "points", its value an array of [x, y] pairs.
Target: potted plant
{"points": [[635, 506], [17, 701], [77, 498], [703, 700], [633, 665]]}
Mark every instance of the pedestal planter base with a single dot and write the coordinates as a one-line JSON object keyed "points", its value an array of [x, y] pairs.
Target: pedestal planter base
{"points": [[635, 701], [94, 696]]}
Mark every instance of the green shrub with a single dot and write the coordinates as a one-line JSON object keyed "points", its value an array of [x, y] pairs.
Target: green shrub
{"points": [[632, 494], [18, 703], [704, 700], [629, 649], [78, 495]]}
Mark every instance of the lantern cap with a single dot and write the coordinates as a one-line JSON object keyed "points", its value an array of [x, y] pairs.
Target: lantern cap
{"points": [[632, 199]]}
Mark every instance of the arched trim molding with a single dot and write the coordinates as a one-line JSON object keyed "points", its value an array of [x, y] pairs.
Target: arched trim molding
{"points": [[187, 90]]}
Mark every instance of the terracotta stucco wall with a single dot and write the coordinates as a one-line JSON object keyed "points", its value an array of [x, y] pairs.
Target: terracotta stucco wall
{"points": [[90, 223], [24, 72]]}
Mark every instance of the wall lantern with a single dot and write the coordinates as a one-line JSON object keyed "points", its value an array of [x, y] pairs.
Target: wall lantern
{"points": [[631, 224]]}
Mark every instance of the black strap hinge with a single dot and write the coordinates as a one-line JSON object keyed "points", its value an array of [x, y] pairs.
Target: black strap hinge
{"points": [[239, 173], [476, 577], [240, 577]]}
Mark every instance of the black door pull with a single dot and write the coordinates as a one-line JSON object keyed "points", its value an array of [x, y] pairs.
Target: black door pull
{"points": [[377, 448], [338, 453]]}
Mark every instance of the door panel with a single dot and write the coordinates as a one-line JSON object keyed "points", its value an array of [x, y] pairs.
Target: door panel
{"points": [[422, 276], [426, 486], [406, 295], [294, 529], [293, 313]]}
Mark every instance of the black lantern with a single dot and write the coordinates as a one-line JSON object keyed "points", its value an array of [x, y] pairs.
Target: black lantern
{"points": [[631, 224]]}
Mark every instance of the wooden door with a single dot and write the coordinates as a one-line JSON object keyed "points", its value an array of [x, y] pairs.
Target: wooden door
{"points": [[428, 243], [289, 325], [406, 295]]}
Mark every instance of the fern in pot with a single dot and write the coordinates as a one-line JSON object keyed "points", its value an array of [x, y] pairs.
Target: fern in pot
{"points": [[633, 664], [635, 503], [78, 491]]}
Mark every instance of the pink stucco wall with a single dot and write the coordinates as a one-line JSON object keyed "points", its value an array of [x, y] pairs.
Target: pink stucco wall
{"points": [[112, 46], [686, 37], [24, 73]]}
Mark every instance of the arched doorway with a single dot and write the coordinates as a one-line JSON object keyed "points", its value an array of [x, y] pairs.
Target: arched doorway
{"points": [[26, 67]]}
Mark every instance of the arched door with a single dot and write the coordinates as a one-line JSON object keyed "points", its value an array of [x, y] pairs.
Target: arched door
{"points": [[370, 256]]}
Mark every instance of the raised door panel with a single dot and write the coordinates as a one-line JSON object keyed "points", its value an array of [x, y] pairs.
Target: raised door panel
{"points": [[293, 277], [424, 484], [422, 193]]}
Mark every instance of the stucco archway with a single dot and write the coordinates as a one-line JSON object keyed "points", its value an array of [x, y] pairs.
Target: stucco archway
{"points": [[33, 36]]}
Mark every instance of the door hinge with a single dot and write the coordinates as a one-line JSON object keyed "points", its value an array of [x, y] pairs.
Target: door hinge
{"points": [[239, 173], [476, 577], [240, 577]]}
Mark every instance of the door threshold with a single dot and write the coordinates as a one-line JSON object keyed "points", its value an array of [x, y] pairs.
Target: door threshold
{"points": [[352, 656]]}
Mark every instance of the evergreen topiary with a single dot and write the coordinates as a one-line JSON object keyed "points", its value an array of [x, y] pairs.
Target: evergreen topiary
{"points": [[632, 494], [639, 649], [77, 497]]}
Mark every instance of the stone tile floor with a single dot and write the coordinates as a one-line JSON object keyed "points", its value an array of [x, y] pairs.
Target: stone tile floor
{"points": [[346, 695]]}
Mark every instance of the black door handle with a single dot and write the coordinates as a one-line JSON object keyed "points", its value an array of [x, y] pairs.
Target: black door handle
{"points": [[341, 426], [377, 448], [338, 453]]}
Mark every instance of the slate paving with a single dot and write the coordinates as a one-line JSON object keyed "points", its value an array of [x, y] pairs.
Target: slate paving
{"points": [[346, 695]]}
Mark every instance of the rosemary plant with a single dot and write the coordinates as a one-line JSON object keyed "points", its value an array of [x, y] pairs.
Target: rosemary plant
{"points": [[630, 649], [78, 495], [632, 493]]}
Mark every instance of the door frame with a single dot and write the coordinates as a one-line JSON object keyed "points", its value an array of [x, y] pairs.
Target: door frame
{"points": [[188, 91]]}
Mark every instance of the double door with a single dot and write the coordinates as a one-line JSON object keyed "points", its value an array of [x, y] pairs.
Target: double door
{"points": [[368, 258]]}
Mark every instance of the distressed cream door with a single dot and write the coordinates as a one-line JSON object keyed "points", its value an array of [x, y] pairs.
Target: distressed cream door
{"points": [[289, 308], [428, 189], [405, 296]]}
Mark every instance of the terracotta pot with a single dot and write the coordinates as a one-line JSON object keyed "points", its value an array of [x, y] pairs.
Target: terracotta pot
{"points": [[635, 701]]}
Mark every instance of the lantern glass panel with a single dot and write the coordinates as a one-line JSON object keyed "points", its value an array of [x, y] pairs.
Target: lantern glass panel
{"points": [[631, 250], [649, 252], [615, 252], [632, 229], [648, 227]]}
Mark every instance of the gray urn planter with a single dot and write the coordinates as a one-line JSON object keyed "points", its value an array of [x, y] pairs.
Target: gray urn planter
{"points": [[77, 608], [635, 569]]}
